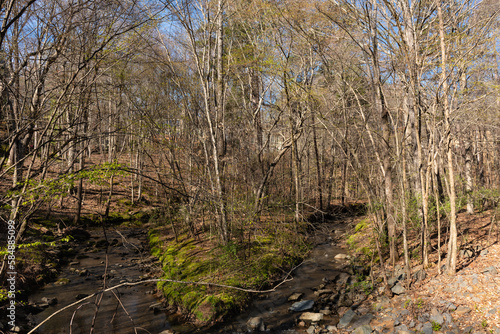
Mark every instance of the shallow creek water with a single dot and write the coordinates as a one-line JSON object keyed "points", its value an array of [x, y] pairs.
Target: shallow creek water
{"points": [[123, 310], [126, 264], [273, 307]]}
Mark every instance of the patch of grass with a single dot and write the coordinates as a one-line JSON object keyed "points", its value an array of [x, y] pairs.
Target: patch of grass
{"points": [[436, 326], [420, 303], [407, 303]]}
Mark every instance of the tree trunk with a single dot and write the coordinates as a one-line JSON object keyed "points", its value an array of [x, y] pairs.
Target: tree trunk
{"points": [[468, 177], [451, 261]]}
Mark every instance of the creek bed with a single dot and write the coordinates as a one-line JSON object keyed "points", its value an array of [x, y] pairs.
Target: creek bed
{"points": [[120, 311]]}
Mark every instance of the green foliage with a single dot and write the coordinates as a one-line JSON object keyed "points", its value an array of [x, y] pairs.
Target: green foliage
{"points": [[436, 326], [407, 303], [4, 294], [361, 225], [4, 251], [484, 195], [365, 285], [484, 323], [49, 189], [420, 303], [361, 241]]}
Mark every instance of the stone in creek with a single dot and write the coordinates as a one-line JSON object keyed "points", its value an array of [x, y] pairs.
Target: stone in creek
{"points": [[296, 296], [322, 292], [83, 272], [49, 301], [256, 324], [312, 317], [157, 307], [303, 305], [346, 319], [340, 256]]}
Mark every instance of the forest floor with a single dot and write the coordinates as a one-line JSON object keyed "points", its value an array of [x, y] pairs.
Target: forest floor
{"points": [[468, 302]]}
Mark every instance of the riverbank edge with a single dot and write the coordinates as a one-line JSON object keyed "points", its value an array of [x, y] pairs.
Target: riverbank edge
{"points": [[261, 266]]}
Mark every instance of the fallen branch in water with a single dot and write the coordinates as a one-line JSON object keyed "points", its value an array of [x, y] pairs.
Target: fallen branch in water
{"points": [[286, 279]]}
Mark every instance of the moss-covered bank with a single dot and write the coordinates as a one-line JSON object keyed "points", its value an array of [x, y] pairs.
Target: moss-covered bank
{"points": [[254, 264]]}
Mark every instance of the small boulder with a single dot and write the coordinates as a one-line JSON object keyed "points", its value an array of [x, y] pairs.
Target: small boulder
{"points": [[301, 306], [363, 320], [490, 270], [296, 296], [49, 301], [451, 306], [256, 324], [322, 292], [312, 317], [365, 329], [436, 317], [427, 329], [340, 256], [461, 310], [401, 329], [346, 319], [398, 289], [419, 275]]}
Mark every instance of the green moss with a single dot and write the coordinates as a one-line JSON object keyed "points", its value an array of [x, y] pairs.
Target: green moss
{"points": [[361, 225], [62, 281], [246, 265], [48, 238], [3, 294]]}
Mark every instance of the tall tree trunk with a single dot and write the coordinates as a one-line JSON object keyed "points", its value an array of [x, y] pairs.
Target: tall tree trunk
{"points": [[319, 180], [468, 177], [79, 193], [384, 116], [451, 261]]}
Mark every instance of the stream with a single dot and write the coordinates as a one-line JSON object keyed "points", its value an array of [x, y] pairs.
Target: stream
{"points": [[123, 310], [319, 267], [132, 309]]}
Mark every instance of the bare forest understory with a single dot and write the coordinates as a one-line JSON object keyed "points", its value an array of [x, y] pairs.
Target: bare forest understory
{"points": [[345, 284], [230, 166]]}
